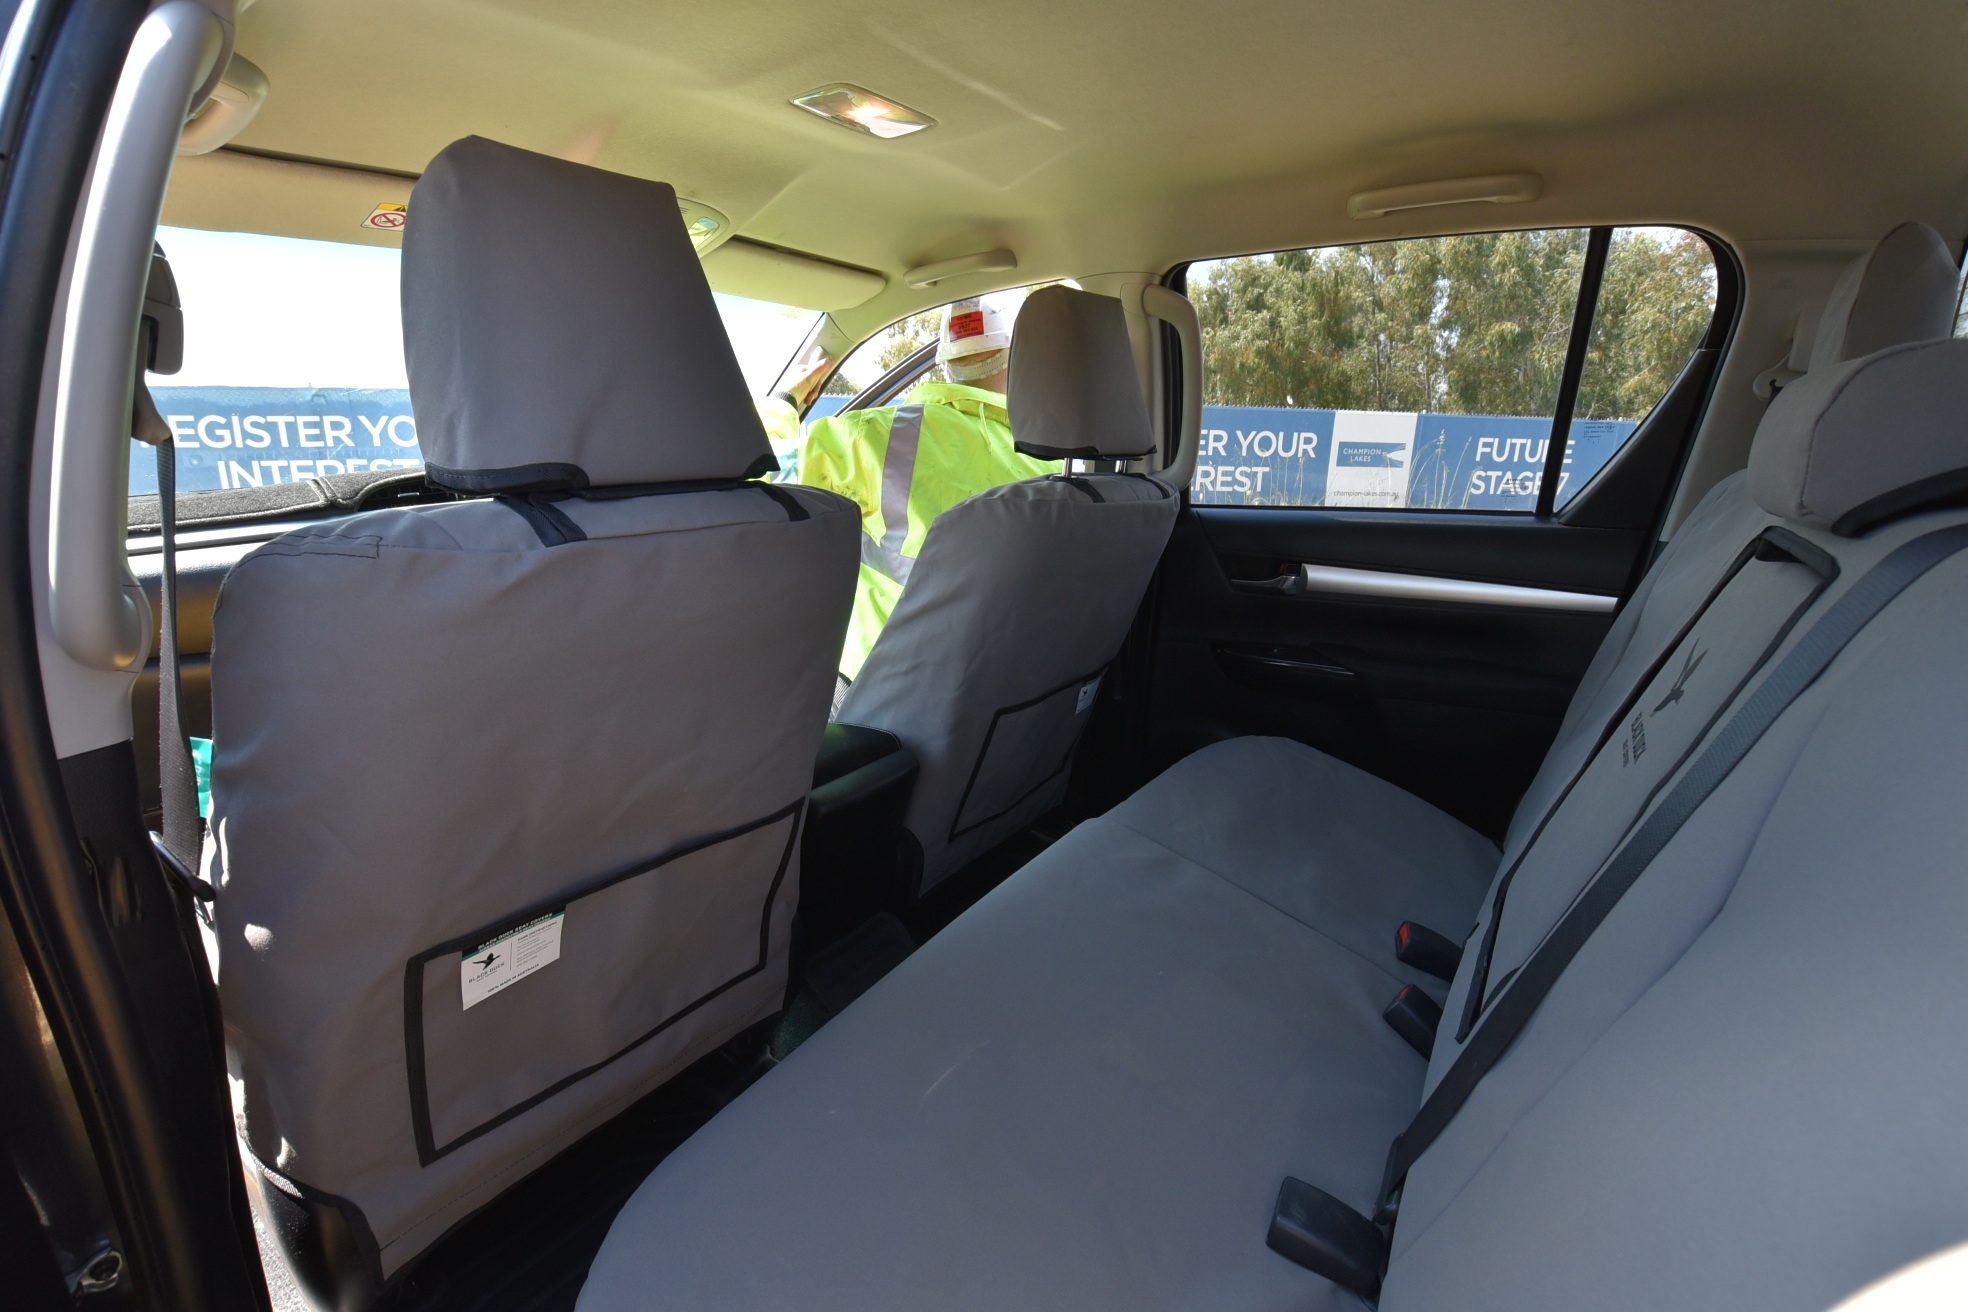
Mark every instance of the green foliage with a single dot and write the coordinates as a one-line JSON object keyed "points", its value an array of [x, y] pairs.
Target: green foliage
{"points": [[1458, 325]]}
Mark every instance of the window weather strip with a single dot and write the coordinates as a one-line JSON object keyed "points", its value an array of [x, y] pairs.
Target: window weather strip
{"points": [[1590, 277]]}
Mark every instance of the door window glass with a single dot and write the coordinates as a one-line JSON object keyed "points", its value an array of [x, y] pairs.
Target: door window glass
{"points": [[1424, 374]]}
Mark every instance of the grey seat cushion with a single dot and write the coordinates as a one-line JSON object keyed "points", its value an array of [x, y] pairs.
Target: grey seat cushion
{"points": [[1083, 1092]]}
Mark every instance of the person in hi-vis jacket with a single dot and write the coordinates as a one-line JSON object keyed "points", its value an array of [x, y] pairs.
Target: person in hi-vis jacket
{"points": [[906, 464]]}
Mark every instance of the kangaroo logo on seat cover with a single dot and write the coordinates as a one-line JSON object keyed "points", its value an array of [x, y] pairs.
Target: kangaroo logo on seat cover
{"points": [[1681, 680]]}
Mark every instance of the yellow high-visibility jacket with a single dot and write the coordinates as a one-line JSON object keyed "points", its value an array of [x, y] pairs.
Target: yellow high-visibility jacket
{"points": [[905, 465]]}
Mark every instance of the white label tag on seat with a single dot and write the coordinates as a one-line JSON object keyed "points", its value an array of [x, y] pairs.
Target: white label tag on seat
{"points": [[511, 957], [1088, 691]]}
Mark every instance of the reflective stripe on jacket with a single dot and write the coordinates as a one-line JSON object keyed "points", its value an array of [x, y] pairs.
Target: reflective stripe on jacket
{"points": [[905, 465]]}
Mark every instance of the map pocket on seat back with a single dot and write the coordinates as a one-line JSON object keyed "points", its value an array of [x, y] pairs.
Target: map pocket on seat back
{"points": [[501, 1019], [1026, 746]]}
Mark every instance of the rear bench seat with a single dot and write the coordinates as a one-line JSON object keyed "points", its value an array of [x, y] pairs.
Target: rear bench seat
{"points": [[1741, 1093]]}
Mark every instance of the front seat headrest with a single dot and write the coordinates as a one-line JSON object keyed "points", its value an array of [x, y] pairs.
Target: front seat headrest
{"points": [[1851, 445], [1074, 393], [560, 334], [1903, 290]]}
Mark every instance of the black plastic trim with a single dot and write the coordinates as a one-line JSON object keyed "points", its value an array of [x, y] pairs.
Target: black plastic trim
{"points": [[1591, 276], [428, 1150]]}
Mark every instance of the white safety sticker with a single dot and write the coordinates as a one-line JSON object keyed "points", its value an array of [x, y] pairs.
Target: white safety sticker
{"points": [[510, 958], [388, 217], [1088, 691]]}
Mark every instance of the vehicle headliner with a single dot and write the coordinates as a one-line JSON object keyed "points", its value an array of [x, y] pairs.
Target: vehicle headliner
{"points": [[1091, 138]]}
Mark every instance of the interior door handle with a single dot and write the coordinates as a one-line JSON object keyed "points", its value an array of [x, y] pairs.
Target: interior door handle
{"points": [[1285, 585]]}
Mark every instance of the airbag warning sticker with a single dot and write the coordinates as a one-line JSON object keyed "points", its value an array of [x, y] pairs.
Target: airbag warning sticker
{"points": [[510, 958]]}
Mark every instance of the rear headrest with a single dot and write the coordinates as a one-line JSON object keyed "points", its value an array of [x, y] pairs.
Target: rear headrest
{"points": [[1850, 445], [560, 334], [1902, 291], [1074, 390]]}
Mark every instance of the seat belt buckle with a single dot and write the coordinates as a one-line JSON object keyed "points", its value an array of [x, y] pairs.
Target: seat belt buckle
{"points": [[1415, 1017], [1427, 951], [1322, 1234]]}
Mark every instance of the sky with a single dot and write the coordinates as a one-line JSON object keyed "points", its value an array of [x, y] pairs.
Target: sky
{"points": [[282, 312]]}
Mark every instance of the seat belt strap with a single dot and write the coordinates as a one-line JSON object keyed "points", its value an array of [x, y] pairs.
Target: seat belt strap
{"points": [[184, 831], [1774, 540], [1527, 988]]}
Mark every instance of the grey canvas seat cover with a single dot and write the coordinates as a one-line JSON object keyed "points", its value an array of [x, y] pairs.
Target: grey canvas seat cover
{"points": [[1729, 1101], [1020, 598], [608, 739]]}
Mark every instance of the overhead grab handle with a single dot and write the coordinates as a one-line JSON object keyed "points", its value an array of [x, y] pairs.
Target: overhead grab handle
{"points": [[98, 612], [1159, 302], [1492, 189], [240, 92]]}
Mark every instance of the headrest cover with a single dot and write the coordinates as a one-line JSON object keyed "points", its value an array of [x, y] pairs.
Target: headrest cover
{"points": [[1851, 444], [560, 334], [1903, 291], [1074, 389]]}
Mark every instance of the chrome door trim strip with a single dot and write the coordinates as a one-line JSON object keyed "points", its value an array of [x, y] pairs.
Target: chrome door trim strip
{"points": [[1342, 581]]}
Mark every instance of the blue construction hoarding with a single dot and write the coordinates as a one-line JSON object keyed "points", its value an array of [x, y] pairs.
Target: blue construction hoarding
{"points": [[231, 437], [1265, 456]]}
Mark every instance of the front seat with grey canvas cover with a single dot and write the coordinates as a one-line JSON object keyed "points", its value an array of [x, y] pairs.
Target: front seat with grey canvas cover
{"points": [[1020, 598], [470, 910]]}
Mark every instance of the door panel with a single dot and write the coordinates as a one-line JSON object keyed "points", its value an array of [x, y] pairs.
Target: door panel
{"points": [[1454, 701]]}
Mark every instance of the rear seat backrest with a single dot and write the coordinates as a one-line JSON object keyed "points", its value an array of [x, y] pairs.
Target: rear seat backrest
{"points": [[1725, 1096], [1903, 290], [599, 730], [989, 667]]}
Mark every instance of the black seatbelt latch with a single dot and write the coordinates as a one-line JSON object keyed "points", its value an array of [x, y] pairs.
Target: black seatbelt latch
{"points": [[1414, 1016], [1326, 1237], [1425, 950]]}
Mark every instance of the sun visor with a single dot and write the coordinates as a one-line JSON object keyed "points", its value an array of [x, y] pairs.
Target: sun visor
{"points": [[766, 273]]}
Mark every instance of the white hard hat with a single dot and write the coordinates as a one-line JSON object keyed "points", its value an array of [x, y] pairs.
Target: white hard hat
{"points": [[971, 327]]}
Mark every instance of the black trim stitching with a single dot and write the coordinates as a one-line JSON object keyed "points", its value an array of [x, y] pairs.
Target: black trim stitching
{"points": [[984, 750], [550, 523], [552, 476], [795, 512], [1932, 493], [428, 1150]]}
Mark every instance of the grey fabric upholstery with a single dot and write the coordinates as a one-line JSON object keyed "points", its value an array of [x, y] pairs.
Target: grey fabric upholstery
{"points": [[1020, 598], [1903, 290], [1075, 393], [1817, 455], [609, 739], [990, 664], [559, 331], [1083, 1093], [1740, 1095]]}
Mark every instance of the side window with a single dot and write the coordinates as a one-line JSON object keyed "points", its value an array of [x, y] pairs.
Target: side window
{"points": [[1425, 374], [293, 363]]}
